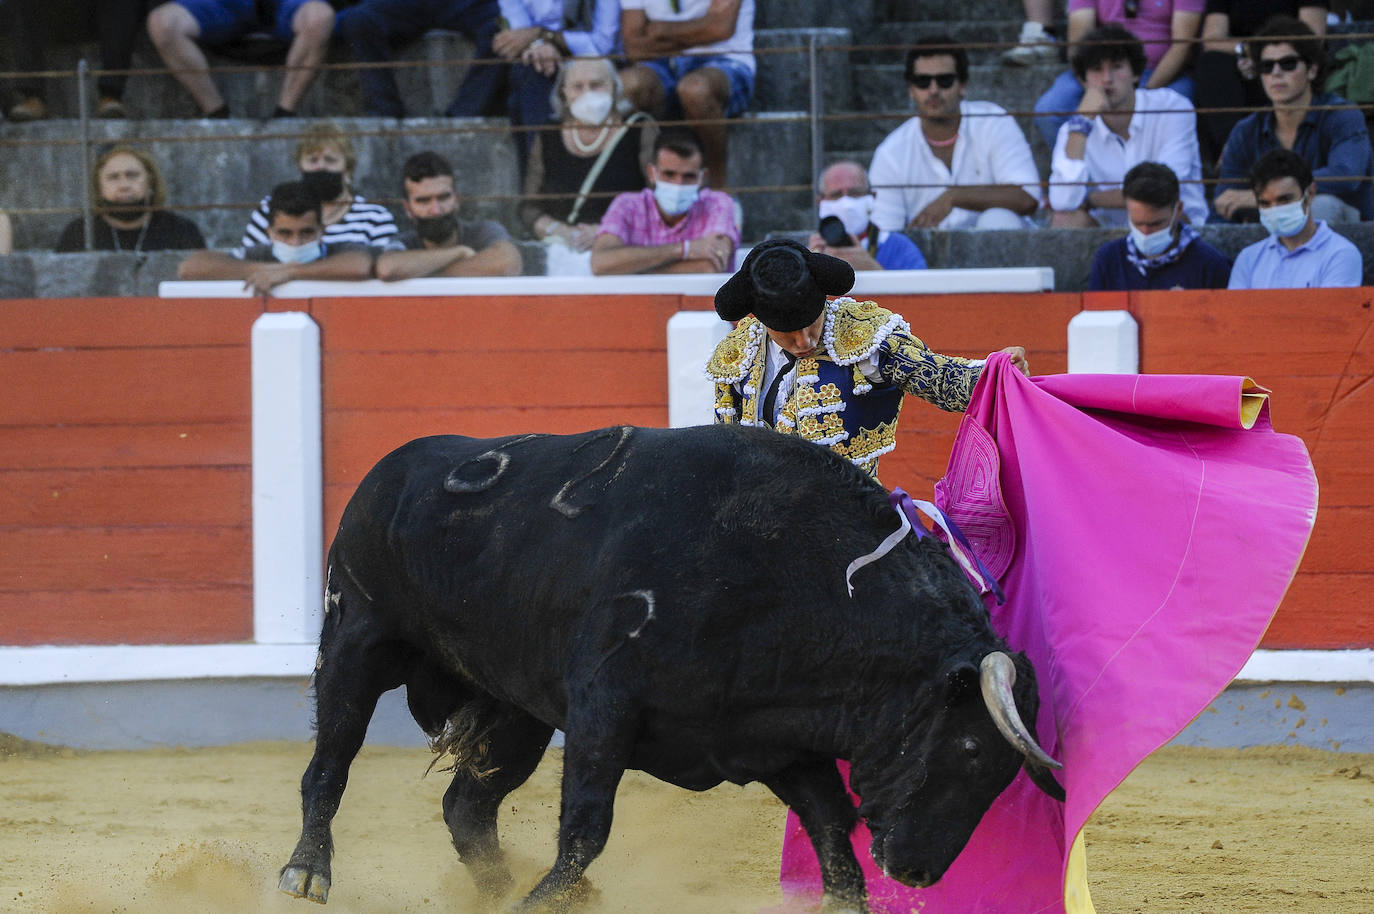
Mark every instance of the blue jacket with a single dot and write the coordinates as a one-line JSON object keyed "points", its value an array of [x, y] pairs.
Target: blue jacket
{"points": [[1201, 266], [1333, 143]]}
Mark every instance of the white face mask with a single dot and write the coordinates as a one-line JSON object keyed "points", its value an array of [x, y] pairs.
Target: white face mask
{"points": [[1155, 243], [854, 212], [675, 199], [297, 253], [1284, 221], [592, 106]]}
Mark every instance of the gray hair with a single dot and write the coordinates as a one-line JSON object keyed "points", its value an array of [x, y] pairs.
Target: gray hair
{"points": [[619, 103]]}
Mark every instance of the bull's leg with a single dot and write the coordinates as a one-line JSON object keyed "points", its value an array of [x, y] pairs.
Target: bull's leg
{"points": [[815, 792], [354, 671], [517, 743], [594, 760]]}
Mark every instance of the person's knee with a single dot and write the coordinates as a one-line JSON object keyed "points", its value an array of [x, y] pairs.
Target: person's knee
{"points": [[1330, 208], [1072, 218], [313, 21], [997, 219], [702, 95], [170, 21], [642, 87]]}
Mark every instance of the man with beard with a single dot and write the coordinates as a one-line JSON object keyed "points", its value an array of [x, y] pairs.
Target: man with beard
{"points": [[130, 194], [441, 243], [958, 164]]}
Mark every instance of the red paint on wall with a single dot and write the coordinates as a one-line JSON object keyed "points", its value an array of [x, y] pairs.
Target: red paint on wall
{"points": [[125, 440]]}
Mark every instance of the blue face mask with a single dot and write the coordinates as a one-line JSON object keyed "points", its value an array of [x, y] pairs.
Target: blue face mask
{"points": [[1155, 243], [296, 253], [675, 199], [1284, 221]]}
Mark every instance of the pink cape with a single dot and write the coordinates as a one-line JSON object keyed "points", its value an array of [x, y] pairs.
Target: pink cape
{"points": [[1144, 529]]}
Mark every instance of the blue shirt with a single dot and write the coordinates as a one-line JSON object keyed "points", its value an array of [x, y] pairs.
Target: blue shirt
{"points": [[1327, 260], [1332, 143], [601, 37], [1200, 266], [898, 252]]}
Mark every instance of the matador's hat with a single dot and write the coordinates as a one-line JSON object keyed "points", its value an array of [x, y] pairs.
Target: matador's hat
{"points": [[784, 285]]}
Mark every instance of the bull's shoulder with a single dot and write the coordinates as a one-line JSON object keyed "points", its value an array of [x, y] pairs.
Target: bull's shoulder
{"points": [[735, 355], [855, 329]]}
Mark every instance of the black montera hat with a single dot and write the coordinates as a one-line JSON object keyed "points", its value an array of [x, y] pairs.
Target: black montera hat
{"points": [[784, 285]]}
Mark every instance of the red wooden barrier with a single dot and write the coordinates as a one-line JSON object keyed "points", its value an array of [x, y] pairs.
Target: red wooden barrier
{"points": [[125, 439]]}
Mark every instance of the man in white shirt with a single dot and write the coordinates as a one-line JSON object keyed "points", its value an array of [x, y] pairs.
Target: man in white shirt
{"points": [[1118, 126], [958, 164], [693, 60]]}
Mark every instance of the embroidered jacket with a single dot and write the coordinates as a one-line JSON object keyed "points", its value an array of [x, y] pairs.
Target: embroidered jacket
{"points": [[833, 402]]}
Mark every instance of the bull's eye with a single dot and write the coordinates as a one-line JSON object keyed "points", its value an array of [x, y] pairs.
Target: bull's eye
{"points": [[970, 748]]}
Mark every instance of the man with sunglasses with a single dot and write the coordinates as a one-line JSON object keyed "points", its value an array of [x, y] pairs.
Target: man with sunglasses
{"points": [[1332, 140], [958, 164]]}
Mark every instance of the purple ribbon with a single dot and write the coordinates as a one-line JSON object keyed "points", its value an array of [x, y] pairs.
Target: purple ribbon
{"points": [[901, 501]]}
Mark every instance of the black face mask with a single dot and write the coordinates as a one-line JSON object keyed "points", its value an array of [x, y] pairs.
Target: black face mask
{"points": [[326, 185], [123, 212], [437, 229]]}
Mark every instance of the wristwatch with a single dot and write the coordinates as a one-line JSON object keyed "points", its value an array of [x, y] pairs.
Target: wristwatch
{"points": [[1080, 124]]}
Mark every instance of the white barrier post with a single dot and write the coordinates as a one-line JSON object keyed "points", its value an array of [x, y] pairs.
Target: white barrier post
{"points": [[692, 337], [288, 538], [1104, 342]]}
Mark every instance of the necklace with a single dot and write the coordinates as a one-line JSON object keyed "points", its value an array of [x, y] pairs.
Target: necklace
{"points": [[589, 147], [142, 233], [941, 144]]}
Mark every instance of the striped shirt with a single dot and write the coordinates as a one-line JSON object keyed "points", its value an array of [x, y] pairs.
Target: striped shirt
{"points": [[363, 223]]}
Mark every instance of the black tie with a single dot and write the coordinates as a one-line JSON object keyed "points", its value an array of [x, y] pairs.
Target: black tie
{"points": [[770, 402]]}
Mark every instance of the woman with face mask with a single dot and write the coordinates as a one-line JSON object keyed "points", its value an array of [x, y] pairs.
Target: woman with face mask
{"points": [[326, 161], [129, 194], [595, 155]]}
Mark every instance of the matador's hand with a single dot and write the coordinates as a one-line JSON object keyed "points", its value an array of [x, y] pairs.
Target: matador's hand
{"points": [[1018, 359]]}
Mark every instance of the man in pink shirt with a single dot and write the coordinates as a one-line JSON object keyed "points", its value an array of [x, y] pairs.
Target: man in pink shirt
{"points": [[1167, 28], [676, 224]]}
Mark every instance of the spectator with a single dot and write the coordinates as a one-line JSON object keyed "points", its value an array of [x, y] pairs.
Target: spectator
{"points": [[1166, 27], [536, 36], [441, 243], [1161, 251], [676, 224], [373, 28], [179, 28], [6, 234], [326, 160], [958, 164], [129, 196], [298, 249], [1036, 44], [595, 155], [1117, 126], [118, 23], [1224, 75], [693, 60], [1334, 143], [27, 39], [845, 195], [1301, 251]]}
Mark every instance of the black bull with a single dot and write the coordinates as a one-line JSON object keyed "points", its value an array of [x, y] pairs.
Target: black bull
{"points": [[675, 602]]}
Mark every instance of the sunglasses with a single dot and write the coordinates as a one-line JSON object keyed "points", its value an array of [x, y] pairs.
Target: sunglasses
{"points": [[923, 80], [1286, 64]]}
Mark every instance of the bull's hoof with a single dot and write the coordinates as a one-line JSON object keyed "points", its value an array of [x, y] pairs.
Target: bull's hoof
{"points": [[299, 882]]}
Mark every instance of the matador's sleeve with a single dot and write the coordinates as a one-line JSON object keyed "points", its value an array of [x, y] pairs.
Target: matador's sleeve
{"points": [[727, 403], [944, 380]]}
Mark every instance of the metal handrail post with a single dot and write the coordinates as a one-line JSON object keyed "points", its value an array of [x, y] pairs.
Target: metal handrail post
{"points": [[817, 140], [83, 103]]}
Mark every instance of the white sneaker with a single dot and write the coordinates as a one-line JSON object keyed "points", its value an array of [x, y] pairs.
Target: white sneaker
{"points": [[1034, 46]]}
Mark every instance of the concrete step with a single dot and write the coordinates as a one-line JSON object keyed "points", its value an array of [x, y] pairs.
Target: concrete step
{"points": [[984, 40], [217, 171], [946, 10], [852, 14]]}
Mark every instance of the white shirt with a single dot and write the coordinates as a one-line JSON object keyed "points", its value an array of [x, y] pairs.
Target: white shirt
{"points": [[739, 46], [991, 149], [1168, 137]]}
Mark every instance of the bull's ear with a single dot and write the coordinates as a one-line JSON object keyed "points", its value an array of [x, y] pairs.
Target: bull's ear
{"points": [[1040, 776], [961, 680]]}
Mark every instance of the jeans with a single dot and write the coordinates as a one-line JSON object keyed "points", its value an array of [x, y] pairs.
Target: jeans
{"points": [[1066, 92], [372, 28]]}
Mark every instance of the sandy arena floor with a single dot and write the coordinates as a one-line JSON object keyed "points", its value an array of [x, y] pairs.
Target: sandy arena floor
{"points": [[206, 830]]}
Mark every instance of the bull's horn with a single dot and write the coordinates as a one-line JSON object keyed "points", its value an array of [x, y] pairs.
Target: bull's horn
{"points": [[997, 673]]}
